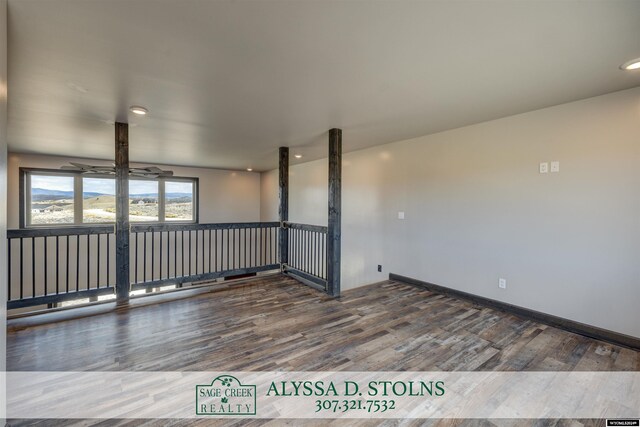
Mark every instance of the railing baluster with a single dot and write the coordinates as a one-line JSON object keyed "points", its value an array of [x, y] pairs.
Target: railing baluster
{"points": [[160, 255], [144, 258], [67, 259], [9, 241], [267, 253], [153, 254], [77, 262], [21, 268], [45, 265], [88, 261], [243, 232], [215, 249], [33, 266], [98, 264], [108, 259], [137, 240], [313, 253]]}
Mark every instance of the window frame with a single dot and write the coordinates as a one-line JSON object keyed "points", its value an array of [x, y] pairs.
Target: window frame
{"points": [[25, 197]]}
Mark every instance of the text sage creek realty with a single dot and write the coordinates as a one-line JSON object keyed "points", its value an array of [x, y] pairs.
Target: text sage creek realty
{"points": [[352, 388]]}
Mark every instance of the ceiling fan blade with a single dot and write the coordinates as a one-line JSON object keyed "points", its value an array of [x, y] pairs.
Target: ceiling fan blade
{"points": [[148, 172], [81, 165]]}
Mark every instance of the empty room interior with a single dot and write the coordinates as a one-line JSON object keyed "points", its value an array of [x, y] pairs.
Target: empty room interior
{"points": [[343, 187]]}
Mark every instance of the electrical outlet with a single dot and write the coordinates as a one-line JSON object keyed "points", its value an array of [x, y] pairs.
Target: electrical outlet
{"points": [[555, 166], [502, 283], [379, 268], [544, 167], [400, 215]]}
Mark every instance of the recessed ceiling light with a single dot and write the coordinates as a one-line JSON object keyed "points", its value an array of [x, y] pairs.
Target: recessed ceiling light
{"points": [[634, 64], [249, 169], [136, 109], [297, 156]]}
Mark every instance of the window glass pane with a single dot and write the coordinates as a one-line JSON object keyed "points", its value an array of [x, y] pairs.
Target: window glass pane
{"points": [[51, 199], [98, 200], [143, 201], [178, 201]]}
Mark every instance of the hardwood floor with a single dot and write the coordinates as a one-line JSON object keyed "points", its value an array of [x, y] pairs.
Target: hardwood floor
{"points": [[274, 323]]}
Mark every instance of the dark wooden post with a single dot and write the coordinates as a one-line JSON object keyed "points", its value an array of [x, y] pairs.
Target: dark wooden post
{"points": [[334, 232], [122, 213], [283, 210]]}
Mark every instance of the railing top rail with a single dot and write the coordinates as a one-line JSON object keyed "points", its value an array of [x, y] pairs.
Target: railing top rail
{"points": [[306, 227], [142, 228], [136, 228], [59, 231]]}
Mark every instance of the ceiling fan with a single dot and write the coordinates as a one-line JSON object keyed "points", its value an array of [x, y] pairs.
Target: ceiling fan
{"points": [[148, 172]]}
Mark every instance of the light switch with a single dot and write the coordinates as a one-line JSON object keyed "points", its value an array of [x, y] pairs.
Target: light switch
{"points": [[400, 215], [544, 167], [555, 166]]}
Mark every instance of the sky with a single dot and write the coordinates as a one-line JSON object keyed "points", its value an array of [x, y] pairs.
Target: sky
{"points": [[106, 186], [61, 183]]}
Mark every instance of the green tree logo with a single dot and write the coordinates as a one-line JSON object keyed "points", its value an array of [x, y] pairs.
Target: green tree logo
{"points": [[226, 395]]}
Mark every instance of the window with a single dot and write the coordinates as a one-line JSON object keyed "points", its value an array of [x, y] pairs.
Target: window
{"points": [[98, 200], [178, 201], [53, 197], [143, 201]]}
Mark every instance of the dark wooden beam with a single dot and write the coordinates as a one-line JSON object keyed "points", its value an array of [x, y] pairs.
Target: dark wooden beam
{"points": [[122, 213], [283, 210], [334, 232]]}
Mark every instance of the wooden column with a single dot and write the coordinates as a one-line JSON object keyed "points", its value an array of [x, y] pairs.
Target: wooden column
{"points": [[283, 210], [122, 213], [334, 232]]}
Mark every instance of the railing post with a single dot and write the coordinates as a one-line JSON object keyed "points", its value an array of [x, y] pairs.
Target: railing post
{"points": [[334, 232], [283, 210], [122, 213]]}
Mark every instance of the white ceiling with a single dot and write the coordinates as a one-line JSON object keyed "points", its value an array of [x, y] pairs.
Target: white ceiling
{"points": [[227, 82]]}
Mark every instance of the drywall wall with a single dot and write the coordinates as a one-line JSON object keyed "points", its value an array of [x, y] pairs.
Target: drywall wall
{"points": [[225, 196], [477, 209], [3, 205]]}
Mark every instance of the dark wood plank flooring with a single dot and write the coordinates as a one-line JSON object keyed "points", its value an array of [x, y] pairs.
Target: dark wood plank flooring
{"points": [[273, 323]]}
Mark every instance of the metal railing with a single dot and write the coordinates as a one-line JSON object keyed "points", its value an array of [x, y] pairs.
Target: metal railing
{"points": [[181, 253], [49, 265], [307, 253], [52, 265]]}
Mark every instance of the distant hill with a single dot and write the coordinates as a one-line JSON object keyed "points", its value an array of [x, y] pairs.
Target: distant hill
{"points": [[43, 191], [40, 194]]}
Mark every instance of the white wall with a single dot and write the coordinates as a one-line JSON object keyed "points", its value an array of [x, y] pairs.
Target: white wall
{"points": [[3, 205], [477, 209], [225, 196]]}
